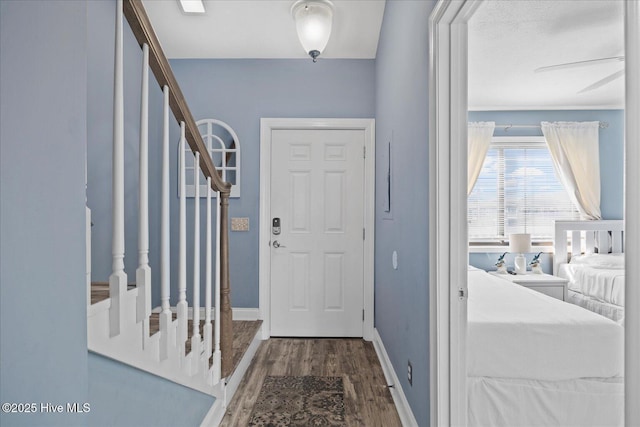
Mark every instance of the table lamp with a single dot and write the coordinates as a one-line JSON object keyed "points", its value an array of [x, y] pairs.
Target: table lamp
{"points": [[520, 244]]}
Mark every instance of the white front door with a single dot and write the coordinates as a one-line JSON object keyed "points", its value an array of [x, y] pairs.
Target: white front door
{"points": [[317, 259]]}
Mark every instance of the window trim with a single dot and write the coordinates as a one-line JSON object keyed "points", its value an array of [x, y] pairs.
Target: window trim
{"points": [[482, 247], [215, 144]]}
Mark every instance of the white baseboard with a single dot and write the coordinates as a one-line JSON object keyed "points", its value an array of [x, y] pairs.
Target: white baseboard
{"points": [[216, 413], [233, 382], [237, 313], [402, 405], [240, 313]]}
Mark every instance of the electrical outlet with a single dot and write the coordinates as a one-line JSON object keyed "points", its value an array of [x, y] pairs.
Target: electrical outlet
{"points": [[410, 373]]}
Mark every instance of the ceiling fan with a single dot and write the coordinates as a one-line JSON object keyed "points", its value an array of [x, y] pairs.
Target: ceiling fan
{"points": [[587, 63]]}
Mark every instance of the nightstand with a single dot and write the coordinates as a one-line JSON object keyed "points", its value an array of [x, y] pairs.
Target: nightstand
{"points": [[547, 284]]}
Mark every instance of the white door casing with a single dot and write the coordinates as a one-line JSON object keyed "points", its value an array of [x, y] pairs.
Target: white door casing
{"points": [[271, 128], [317, 259], [632, 219], [448, 210]]}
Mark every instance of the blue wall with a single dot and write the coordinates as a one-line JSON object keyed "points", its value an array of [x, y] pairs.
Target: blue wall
{"points": [[611, 161], [123, 396], [43, 100], [402, 295], [240, 92]]}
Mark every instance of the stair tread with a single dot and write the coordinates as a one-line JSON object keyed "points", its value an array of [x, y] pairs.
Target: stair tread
{"points": [[243, 330]]}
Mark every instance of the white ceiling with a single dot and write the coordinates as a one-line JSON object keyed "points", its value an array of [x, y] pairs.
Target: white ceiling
{"points": [[508, 40], [261, 29]]}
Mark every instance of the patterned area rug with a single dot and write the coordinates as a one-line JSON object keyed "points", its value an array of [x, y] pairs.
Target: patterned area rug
{"points": [[299, 402]]}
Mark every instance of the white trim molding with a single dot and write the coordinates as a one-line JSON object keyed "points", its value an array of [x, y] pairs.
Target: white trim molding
{"points": [[395, 387], [215, 415], [219, 408], [448, 210], [632, 219], [267, 125]]}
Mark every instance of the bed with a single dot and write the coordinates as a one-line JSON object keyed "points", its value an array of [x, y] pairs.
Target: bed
{"points": [[535, 360], [590, 254]]}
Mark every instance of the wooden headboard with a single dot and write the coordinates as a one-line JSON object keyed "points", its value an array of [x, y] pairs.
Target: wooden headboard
{"points": [[605, 236]]}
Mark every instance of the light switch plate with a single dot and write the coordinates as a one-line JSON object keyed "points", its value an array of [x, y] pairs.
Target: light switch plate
{"points": [[239, 224]]}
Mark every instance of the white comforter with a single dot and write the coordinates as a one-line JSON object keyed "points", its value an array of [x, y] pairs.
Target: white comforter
{"points": [[605, 285], [515, 332]]}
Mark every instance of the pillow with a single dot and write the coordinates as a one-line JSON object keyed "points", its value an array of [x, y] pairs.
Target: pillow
{"points": [[612, 261]]}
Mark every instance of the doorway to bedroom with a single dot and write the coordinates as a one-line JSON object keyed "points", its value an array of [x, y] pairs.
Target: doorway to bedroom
{"points": [[545, 149], [448, 280]]}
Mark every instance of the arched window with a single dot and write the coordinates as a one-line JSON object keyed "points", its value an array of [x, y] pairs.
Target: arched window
{"points": [[223, 146]]}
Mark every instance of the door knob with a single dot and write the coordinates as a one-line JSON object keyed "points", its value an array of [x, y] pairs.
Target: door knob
{"points": [[277, 244]]}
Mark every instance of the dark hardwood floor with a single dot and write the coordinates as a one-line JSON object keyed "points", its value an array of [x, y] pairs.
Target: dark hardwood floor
{"points": [[367, 399], [243, 333]]}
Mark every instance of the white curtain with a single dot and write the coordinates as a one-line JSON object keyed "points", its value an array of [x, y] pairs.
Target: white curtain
{"points": [[576, 157], [479, 140]]}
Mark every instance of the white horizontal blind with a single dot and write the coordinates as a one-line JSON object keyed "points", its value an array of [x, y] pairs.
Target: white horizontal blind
{"points": [[517, 192]]}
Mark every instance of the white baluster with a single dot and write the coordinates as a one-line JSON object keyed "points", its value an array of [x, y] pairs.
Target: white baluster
{"points": [[206, 330], [182, 307], [118, 278], [165, 239], [195, 334], [143, 272], [217, 355]]}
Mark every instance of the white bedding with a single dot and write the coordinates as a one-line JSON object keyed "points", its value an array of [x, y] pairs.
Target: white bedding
{"points": [[613, 312], [515, 332], [537, 361], [506, 402], [596, 282], [606, 285]]}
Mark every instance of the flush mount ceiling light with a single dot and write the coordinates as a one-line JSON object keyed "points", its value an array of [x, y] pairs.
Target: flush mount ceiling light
{"points": [[313, 24], [192, 6]]}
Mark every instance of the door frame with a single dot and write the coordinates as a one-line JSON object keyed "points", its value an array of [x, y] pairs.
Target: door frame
{"points": [[267, 125], [447, 212], [448, 252]]}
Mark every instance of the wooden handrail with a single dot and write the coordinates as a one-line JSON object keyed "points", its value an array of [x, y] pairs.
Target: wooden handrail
{"points": [[143, 31]]}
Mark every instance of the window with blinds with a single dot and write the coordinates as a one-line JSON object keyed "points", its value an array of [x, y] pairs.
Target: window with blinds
{"points": [[517, 192]]}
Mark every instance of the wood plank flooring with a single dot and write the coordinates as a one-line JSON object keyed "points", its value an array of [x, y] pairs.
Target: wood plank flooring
{"points": [[366, 396], [243, 333]]}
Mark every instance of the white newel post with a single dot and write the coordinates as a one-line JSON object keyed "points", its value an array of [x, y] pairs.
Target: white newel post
{"points": [[206, 330], [182, 307], [195, 334], [217, 355], [165, 239], [143, 272], [118, 278]]}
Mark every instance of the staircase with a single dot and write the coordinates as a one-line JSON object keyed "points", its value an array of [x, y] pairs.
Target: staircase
{"points": [[243, 343], [190, 346], [133, 347]]}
